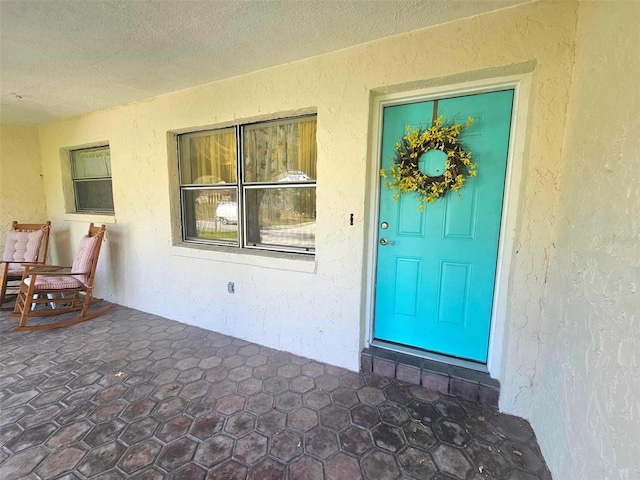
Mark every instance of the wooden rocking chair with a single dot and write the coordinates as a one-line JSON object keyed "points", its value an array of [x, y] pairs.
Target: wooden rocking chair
{"points": [[26, 243], [64, 289]]}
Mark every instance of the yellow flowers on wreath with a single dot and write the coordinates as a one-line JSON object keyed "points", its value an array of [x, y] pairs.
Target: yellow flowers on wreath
{"points": [[405, 175]]}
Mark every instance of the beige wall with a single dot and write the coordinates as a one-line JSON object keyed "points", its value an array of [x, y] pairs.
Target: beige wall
{"points": [[21, 186], [586, 403], [315, 307]]}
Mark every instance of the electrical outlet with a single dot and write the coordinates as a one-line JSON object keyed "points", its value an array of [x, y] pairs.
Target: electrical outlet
{"points": [[231, 288]]}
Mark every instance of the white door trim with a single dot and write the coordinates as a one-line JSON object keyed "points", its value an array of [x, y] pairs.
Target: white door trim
{"points": [[521, 84]]}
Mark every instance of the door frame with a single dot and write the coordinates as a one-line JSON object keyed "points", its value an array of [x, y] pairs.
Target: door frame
{"points": [[521, 84]]}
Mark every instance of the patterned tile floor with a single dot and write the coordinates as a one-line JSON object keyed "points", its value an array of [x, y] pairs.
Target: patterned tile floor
{"points": [[133, 395]]}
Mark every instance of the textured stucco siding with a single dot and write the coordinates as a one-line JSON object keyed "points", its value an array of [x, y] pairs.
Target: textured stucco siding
{"points": [[586, 403], [21, 187], [316, 309]]}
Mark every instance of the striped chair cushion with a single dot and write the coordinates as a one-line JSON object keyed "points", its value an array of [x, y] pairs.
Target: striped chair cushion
{"points": [[15, 271], [22, 246], [55, 283], [84, 257]]}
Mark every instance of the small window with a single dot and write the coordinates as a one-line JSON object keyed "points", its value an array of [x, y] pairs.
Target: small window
{"points": [[91, 174], [251, 186]]}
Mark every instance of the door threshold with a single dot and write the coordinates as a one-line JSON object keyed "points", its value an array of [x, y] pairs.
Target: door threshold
{"points": [[456, 377], [435, 357]]}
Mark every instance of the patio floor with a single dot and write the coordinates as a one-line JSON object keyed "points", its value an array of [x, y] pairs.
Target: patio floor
{"points": [[134, 395]]}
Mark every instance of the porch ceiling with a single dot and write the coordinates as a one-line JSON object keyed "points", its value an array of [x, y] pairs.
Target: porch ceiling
{"points": [[62, 58]]}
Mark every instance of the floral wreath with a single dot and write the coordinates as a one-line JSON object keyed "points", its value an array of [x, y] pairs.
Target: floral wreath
{"points": [[405, 175]]}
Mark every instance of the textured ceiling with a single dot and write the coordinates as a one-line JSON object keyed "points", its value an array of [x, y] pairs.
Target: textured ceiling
{"points": [[61, 58]]}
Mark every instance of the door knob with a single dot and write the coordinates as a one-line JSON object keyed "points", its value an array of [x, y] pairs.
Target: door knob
{"points": [[384, 241]]}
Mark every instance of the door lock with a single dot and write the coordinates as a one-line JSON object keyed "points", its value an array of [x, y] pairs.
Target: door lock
{"points": [[384, 241]]}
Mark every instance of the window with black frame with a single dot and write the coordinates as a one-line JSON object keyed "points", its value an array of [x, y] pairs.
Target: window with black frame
{"points": [[251, 186]]}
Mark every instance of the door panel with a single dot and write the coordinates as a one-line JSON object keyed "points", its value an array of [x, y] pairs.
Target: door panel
{"points": [[435, 279], [454, 283], [460, 218], [407, 285], [410, 221]]}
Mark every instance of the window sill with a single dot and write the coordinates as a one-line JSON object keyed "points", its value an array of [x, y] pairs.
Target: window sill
{"points": [[90, 217], [256, 258]]}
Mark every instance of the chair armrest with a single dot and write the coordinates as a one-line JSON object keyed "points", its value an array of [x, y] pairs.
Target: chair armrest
{"points": [[22, 263], [30, 269], [44, 268], [54, 273]]}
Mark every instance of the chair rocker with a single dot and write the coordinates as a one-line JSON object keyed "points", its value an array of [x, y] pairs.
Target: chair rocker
{"points": [[63, 289], [26, 243]]}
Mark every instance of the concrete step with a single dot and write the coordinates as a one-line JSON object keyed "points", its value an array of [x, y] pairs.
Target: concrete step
{"points": [[448, 379]]}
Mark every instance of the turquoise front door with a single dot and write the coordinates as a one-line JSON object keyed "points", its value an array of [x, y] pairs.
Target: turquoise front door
{"points": [[436, 269]]}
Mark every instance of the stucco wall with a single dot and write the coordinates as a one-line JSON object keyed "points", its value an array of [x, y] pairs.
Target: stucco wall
{"points": [[21, 186], [586, 408], [315, 308]]}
